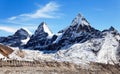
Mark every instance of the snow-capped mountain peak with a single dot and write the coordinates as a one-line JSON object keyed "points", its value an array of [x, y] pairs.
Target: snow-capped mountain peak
{"points": [[78, 23], [43, 28], [80, 20]]}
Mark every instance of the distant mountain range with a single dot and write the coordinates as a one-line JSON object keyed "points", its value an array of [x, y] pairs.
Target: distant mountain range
{"points": [[79, 42]]}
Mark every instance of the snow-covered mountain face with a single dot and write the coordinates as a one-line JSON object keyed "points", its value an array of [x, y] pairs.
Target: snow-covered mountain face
{"points": [[78, 32], [41, 38], [82, 43], [18, 39], [104, 50]]}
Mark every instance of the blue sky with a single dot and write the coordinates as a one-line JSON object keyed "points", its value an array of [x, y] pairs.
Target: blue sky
{"points": [[58, 14]]}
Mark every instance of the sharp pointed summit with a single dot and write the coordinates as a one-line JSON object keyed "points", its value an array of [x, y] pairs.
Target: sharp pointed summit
{"points": [[42, 36], [80, 20], [43, 28], [80, 25]]}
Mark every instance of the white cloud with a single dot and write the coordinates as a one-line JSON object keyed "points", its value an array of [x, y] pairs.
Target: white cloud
{"points": [[8, 29], [12, 18], [47, 11]]}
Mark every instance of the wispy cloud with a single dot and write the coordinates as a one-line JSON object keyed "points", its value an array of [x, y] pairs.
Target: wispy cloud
{"points": [[8, 29], [47, 11], [31, 20], [12, 18]]}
